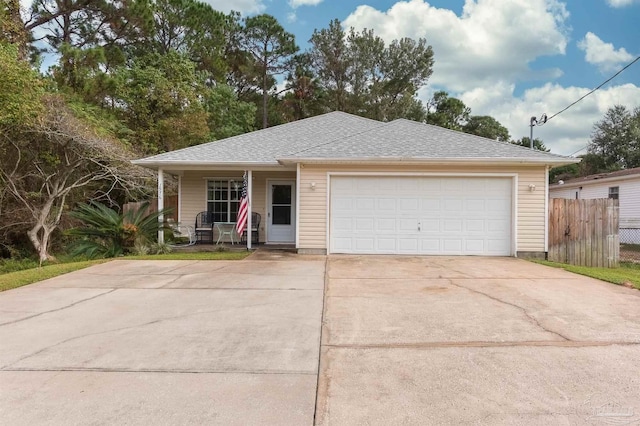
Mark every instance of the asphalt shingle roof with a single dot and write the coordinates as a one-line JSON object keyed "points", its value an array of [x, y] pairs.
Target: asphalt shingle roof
{"points": [[268, 145], [412, 140], [339, 135]]}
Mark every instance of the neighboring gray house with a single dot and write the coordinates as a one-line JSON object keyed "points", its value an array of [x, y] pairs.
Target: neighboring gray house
{"points": [[623, 185]]}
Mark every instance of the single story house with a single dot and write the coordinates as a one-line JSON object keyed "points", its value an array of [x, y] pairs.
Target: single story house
{"points": [[623, 185], [339, 183]]}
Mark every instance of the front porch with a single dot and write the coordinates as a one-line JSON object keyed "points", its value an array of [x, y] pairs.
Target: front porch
{"points": [[216, 194]]}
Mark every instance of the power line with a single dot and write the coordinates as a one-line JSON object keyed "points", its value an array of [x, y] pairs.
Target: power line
{"points": [[574, 153], [605, 82]]}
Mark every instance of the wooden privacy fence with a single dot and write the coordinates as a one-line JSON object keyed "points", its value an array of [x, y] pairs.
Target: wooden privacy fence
{"points": [[584, 232], [170, 202]]}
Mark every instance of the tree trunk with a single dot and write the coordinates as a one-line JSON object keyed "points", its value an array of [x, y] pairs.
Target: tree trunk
{"points": [[14, 29], [41, 232], [39, 236], [264, 99]]}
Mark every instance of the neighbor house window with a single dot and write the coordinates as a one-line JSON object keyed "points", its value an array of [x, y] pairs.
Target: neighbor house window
{"points": [[223, 199], [614, 192]]}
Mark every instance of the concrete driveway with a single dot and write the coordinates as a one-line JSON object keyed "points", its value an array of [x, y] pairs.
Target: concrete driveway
{"points": [[165, 342], [405, 340], [437, 340]]}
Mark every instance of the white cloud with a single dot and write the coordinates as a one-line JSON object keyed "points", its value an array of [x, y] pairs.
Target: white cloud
{"points": [[563, 134], [291, 17], [245, 7], [297, 3], [493, 40], [621, 3], [482, 54], [603, 55]]}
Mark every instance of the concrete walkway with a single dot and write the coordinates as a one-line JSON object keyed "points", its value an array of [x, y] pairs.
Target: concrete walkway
{"points": [[165, 342], [437, 340]]}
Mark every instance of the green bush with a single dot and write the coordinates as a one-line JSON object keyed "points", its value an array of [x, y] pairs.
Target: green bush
{"points": [[107, 233], [13, 265]]}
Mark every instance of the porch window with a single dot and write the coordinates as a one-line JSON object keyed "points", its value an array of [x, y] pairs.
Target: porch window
{"points": [[223, 199]]}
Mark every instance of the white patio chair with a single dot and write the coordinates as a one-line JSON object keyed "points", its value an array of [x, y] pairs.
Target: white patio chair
{"points": [[184, 235]]}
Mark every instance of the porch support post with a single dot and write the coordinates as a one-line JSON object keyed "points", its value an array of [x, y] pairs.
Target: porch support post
{"points": [[160, 206], [250, 199]]}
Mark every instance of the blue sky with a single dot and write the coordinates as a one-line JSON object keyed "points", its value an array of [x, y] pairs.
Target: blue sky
{"points": [[511, 59]]}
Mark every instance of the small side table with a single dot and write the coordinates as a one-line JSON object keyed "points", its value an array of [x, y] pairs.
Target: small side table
{"points": [[225, 228]]}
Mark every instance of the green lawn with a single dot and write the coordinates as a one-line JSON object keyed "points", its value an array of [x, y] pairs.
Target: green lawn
{"points": [[16, 278], [213, 255], [27, 276], [627, 274]]}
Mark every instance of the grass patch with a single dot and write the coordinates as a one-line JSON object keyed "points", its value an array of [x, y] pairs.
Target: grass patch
{"points": [[27, 276], [213, 255], [626, 274]]}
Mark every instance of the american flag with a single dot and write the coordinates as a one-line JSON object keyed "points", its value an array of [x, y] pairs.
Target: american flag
{"points": [[241, 222]]}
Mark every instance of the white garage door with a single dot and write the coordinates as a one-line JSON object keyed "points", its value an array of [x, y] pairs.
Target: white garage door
{"points": [[421, 215]]}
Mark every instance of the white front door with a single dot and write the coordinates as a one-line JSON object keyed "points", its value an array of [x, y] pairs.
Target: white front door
{"points": [[281, 204]]}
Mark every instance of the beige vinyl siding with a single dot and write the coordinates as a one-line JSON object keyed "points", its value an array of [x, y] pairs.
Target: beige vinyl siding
{"points": [[530, 204], [194, 192]]}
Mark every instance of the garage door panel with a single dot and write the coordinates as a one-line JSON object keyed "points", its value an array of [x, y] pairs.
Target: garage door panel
{"points": [[409, 205], [365, 244], [386, 204], [365, 204], [430, 225], [498, 225], [386, 245], [474, 246], [475, 205], [451, 246], [408, 225], [342, 224], [365, 224], [386, 225], [475, 225], [343, 245], [343, 203], [408, 245], [452, 225], [421, 215], [453, 206], [498, 205], [430, 204]]}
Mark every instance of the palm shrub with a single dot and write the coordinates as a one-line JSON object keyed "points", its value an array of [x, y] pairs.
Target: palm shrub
{"points": [[108, 233]]}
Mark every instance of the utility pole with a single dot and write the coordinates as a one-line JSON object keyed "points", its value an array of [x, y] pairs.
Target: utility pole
{"points": [[536, 122]]}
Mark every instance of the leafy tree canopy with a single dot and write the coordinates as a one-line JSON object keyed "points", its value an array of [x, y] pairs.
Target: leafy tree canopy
{"points": [[526, 142], [447, 112], [616, 138], [487, 127]]}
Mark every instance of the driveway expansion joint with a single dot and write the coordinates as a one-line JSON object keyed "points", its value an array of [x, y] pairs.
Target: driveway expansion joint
{"points": [[483, 344], [161, 371], [320, 395]]}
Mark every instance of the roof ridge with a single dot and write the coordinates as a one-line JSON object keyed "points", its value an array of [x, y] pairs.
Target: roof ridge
{"points": [[379, 124], [604, 175], [267, 130], [458, 132]]}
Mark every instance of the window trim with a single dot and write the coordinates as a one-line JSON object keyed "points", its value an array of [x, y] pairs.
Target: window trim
{"points": [[614, 192]]}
